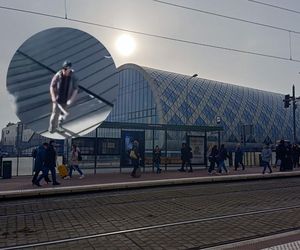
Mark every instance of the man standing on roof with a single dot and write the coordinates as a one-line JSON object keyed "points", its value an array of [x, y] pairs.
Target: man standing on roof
{"points": [[63, 91]]}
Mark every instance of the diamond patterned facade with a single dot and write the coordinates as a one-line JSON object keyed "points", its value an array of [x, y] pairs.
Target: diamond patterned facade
{"points": [[153, 96]]}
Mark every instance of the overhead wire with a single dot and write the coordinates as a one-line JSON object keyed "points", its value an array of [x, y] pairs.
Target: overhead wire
{"points": [[226, 17], [153, 35], [275, 6]]}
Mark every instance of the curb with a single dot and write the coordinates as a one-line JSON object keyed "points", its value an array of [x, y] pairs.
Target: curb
{"points": [[29, 193]]}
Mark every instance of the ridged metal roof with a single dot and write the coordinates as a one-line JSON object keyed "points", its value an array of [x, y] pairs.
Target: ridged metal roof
{"points": [[182, 100], [34, 64]]}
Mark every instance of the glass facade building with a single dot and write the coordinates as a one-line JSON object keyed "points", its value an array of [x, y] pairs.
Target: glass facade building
{"points": [[158, 97]]}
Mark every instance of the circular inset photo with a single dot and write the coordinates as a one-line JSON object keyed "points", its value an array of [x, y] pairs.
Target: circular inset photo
{"points": [[64, 83]]}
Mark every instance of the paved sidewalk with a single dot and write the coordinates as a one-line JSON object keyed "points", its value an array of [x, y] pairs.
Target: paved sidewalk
{"points": [[22, 187]]}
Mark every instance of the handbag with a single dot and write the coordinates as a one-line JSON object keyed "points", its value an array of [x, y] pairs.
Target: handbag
{"points": [[79, 158], [132, 155], [278, 162]]}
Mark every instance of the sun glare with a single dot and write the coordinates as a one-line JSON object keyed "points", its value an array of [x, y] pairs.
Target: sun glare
{"points": [[125, 45]]}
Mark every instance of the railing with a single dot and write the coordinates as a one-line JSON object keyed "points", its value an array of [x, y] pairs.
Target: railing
{"points": [[24, 165]]}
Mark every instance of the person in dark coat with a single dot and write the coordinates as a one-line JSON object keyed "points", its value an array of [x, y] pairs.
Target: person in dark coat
{"points": [[183, 145], [50, 164], [222, 156], [156, 159], [39, 162], [296, 155], [289, 157], [186, 156], [213, 158], [238, 159], [135, 157], [281, 155]]}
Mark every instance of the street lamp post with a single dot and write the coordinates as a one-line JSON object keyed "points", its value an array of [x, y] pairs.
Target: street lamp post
{"points": [[218, 120], [186, 101], [294, 113]]}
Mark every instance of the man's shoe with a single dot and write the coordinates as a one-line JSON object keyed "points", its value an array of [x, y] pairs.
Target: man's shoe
{"points": [[60, 129], [67, 177], [47, 180], [81, 177], [190, 171], [51, 130], [181, 170], [55, 183]]}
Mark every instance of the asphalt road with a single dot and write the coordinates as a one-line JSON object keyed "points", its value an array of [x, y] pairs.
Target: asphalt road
{"points": [[177, 217]]}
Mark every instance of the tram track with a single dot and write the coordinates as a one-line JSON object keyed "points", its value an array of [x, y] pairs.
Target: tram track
{"points": [[180, 194], [167, 225]]}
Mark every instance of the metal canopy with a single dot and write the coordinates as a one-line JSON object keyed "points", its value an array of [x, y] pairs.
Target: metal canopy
{"points": [[145, 126]]}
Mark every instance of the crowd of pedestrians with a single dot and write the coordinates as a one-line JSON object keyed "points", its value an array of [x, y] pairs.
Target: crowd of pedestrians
{"points": [[287, 158], [217, 158], [45, 161]]}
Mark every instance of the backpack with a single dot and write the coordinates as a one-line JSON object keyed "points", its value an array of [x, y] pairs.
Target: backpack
{"points": [[34, 153]]}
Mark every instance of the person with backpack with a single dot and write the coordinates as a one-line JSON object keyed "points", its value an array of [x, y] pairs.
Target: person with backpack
{"points": [[74, 162]]}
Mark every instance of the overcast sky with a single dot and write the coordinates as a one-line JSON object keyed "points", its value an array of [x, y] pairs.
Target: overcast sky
{"points": [[218, 40]]}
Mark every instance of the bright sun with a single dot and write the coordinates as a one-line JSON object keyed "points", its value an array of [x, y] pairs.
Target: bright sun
{"points": [[125, 45]]}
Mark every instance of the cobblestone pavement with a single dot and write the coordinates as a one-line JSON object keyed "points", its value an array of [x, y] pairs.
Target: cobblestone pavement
{"points": [[180, 217]]}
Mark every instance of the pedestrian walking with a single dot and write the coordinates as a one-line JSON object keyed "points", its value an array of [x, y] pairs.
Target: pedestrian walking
{"points": [[182, 150], [156, 159], [238, 158], [50, 164], [222, 156], [63, 91], [213, 159], [39, 155], [74, 162], [266, 156], [296, 155], [186, 156], [135, 157], [289, 157], [281, 155]]}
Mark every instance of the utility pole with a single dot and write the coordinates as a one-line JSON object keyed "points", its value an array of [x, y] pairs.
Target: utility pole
{"points": [[287, 102], [218, 120]]}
